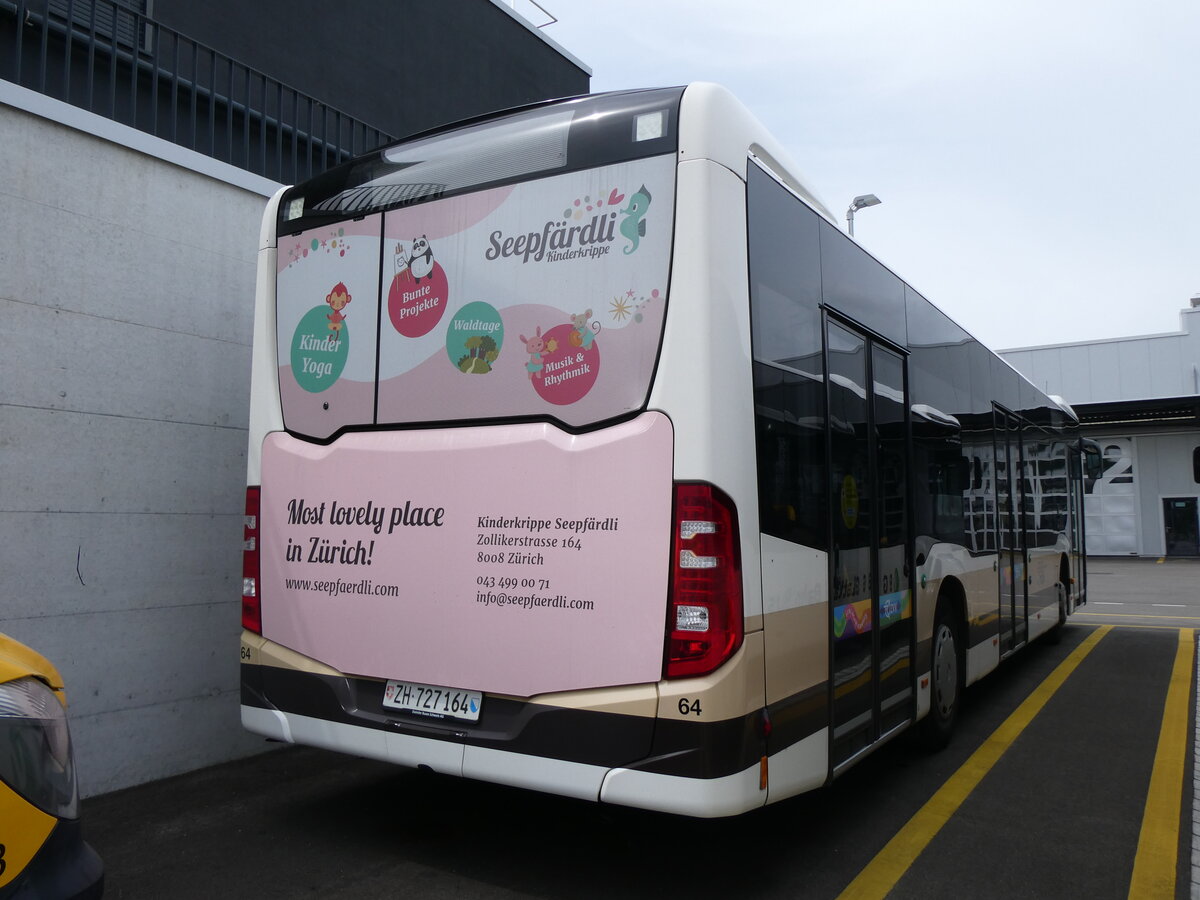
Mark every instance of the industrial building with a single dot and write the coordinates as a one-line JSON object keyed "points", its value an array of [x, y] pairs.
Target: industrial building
{"points": [[1138, 399]]}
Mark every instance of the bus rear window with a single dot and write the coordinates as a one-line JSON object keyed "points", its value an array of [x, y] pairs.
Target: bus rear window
{"points": [[543, 298]]}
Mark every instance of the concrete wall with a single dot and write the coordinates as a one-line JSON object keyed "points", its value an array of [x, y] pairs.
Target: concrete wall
{"points": [[126, 292]]}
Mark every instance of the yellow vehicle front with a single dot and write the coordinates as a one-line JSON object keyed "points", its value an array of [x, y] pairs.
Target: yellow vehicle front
{"points": [[42, 851]]}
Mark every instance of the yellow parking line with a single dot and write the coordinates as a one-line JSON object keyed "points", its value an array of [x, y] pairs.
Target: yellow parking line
{"points": [[890, 863], [1158, 843], [1136, 625], [1096, 615]]}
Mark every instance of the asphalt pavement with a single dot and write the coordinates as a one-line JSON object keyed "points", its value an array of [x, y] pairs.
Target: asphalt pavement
{"points": [[1060, 814]]}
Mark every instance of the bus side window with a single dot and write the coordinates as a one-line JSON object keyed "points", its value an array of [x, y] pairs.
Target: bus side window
{"points": [[789, 383]]}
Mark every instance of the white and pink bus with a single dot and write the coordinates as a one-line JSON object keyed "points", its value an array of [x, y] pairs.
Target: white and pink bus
{"points": [[588, 455]]}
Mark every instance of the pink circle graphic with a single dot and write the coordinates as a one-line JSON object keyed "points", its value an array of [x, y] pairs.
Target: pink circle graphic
{"points": [[416, 305], [569, 370]]}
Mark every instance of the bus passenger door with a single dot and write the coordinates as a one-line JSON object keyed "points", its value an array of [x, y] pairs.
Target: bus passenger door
{"points": [[871, 605], [895, 620], [1010, 530]]}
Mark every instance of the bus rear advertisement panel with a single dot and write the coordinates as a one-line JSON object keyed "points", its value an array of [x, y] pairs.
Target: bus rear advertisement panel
{"points": [[472, 557]]}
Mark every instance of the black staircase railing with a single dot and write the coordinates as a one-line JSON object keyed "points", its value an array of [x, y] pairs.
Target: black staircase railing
{"points": [[108, 57]]}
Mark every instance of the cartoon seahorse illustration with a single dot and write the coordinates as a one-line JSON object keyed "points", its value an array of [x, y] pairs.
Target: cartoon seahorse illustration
{"points": [[633, 226]]}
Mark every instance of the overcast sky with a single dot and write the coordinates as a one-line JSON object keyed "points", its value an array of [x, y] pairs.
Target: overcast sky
{"points": [[1038, 160]]}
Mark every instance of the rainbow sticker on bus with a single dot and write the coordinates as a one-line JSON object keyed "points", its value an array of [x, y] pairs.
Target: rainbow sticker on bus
{"points": [[852, 619]]}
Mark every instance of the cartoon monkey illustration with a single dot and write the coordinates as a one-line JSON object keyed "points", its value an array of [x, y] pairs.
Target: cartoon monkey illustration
{"points": [[337, 300]]}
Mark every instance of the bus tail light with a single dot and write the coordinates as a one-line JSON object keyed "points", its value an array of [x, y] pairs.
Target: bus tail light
{"points": [[251, 611], [704, 611]]}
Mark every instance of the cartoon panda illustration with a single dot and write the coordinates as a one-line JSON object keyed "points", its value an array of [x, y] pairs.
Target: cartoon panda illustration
{"points": [[420, 260]]}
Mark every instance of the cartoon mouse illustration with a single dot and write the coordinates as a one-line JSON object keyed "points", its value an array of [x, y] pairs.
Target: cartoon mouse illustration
{"points": [[337, 300], [420, 260], [585, 333], [534, 347]]}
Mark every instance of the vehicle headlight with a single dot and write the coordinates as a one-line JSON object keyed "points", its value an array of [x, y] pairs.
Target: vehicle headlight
{"points": [[35, 747]]}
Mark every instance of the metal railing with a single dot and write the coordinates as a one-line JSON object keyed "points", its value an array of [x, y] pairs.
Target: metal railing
{"points": [[546, 17], [113, 60]]}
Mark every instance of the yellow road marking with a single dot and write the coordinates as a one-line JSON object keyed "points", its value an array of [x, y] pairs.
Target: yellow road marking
{"points": [[1137, 625], [1133, 616], [1158, 843], [881, 873]]}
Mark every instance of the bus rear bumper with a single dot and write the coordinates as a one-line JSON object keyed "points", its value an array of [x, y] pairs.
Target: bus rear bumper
{"points": [[703, 797], [728, 795]]}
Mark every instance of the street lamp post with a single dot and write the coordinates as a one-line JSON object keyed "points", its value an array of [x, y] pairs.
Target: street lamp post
{"points": [[862, 201]]}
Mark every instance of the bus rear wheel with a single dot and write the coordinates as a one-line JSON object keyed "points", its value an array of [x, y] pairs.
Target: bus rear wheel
{"points": [[946, 677], [1055, 634]]}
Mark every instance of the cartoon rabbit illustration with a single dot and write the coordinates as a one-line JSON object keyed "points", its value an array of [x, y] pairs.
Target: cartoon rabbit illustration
{"points": [[534, 347]]}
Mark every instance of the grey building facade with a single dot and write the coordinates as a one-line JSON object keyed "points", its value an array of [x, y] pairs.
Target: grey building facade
{"points": [[1138, 399]]}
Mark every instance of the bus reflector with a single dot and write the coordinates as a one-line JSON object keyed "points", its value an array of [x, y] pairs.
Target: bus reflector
{"points": [[704, 621], [251, 611]]}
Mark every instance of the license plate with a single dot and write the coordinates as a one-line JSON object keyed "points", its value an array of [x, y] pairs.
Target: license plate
{"points": [[431, 700]]}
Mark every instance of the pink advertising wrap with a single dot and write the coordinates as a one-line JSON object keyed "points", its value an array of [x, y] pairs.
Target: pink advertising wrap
{"points": [[514, 559]]}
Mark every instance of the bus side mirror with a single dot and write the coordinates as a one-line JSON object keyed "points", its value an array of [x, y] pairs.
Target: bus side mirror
{"points": [[963, 471], [1092, 463]]}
